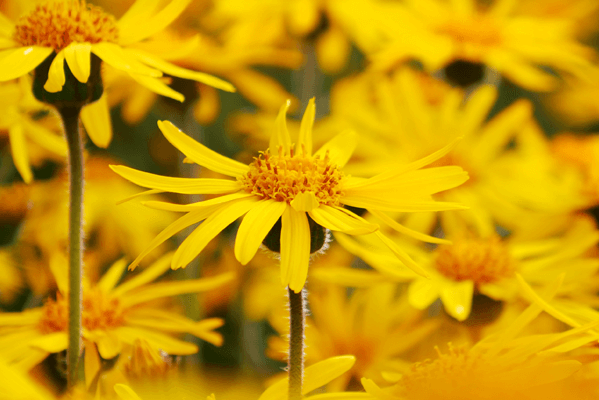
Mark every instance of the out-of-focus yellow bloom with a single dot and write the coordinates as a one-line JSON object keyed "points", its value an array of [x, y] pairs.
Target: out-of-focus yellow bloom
{"points": [[499, 367], [112, 317], [374, 325], [293, 184], [582, 14], [75, 32], [12, 281], [489, 265], [574, 103], [16, 385], [519, 46], [22, 118]]}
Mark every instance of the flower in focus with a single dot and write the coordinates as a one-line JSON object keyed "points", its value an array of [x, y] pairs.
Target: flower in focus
{"points": [[303, 190], [113, 316], [464, 36]]}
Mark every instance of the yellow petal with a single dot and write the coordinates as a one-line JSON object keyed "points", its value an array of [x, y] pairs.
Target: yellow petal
{"points": [[18, 148], [339, 148], [150, 273], [295, 249], [280, 136], [45, 137], [339, 219], [125, 392], [348, 277], [255, 226], [305, 134], [96, 120], [175, 184], [16, 385], [401, 255], [27, 317], [56, 76], [112, 276], [114, 55], [457, 298], [52, 343], [184, 73], [407, 231], [423, 292], [161, 205], [214, 224], [315, 376], [78, 57], [22, 60], [388, 202], [159, 87], [139, 12], [305, 201], [156, 339], [374, 390], [200, 154], [91, 363], [109, 344]]}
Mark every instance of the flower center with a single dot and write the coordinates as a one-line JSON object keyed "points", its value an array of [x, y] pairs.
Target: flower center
{"points": [[99, 312], [480, 260], [479, 31], [144, 361], [283, 178], [57, 24]]}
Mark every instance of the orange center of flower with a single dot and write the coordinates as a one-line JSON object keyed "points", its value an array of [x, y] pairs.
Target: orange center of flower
{"points": [[99, 312], [57, 24], [145, 361], [283, 178], [479, 260], [478, 31]]}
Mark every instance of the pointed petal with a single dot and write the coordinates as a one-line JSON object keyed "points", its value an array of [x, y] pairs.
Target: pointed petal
{"points": [[125, 392], [401, 255], [174, 70], [339, 219], [305, 134], [150, 273], [91, 363], [339, 148], [175, 184], [78, 57], [255, 226], [305, 201], [407, 231], [45, 137], [158, 86], [161, 205], [200, 154], [96, 120], [52, 343], [27, 317], [295, 249], [18, 148], [220, 218], [56, 75], [457, 299], [22, 60], [112, 276], [139, 12], [159, 340], [280, 137], [114, 55], [423, 292], [109, 344]]}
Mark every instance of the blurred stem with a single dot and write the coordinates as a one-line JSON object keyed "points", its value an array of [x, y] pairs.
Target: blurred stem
{"points": [[70, 119], [297, 315]]}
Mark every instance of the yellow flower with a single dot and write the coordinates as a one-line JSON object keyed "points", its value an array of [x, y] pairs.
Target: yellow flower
{"points": [[113, 316], [72, 31], [373, 325], [305, 190], [501, 366], [464, 33]]}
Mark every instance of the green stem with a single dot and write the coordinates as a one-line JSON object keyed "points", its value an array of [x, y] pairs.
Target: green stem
{"points": [[297, 313], [70, 118]]}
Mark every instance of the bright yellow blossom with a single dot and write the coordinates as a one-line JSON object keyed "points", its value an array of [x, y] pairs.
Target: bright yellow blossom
{"points": [[293, 184]]}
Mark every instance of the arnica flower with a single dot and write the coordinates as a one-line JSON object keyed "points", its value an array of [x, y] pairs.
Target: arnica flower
{"points": [[489, 265], [74, 32], [374, 325], [113, 317], [501, 366], [464, 36], [305, 190]]}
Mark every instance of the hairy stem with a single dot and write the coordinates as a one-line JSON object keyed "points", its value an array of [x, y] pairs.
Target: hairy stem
{"points": [[70, 118], [297, 314]]}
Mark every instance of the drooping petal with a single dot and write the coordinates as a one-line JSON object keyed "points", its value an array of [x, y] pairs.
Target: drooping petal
{"points": [[18, 148], [176, 184], [305, 134], [339, 148], [423, 292], [112, 276], [156, 339], [295, 249], [339, 219], [158, 86], [56, 75], [407, 231], [91, 363], [22, 60], [115, 56], [150, 273], [184, 73], [255, 226], [457, 298], [401, 255], [280, 136], [78, 57], [45, 137], [199, 153], [96, 120], [214, 224]]}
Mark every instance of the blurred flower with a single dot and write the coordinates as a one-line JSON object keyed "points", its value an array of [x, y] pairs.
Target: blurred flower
{"points": [[112, 317], [464, 36], [12, 281], [288, 183]]}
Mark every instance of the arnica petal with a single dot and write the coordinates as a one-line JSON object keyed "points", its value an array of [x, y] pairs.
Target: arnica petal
{"points": [[199, 153], [162, 205], [22, 60], [18, 148], [401, 255], [374, 390], [295, 249], [158, 268], [176, 184], [407, 231], [96, 120], [125, 392], [339, 148], [78, 57], [52, 343], [158, 86], [56, 75], [115, 56], [156, 339], [255, 226], [305, 201], [280, 136], [457, 298], [91, 363], [423, 292], [45, 137], [339, 219], [112, 276], [305, 135]]}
